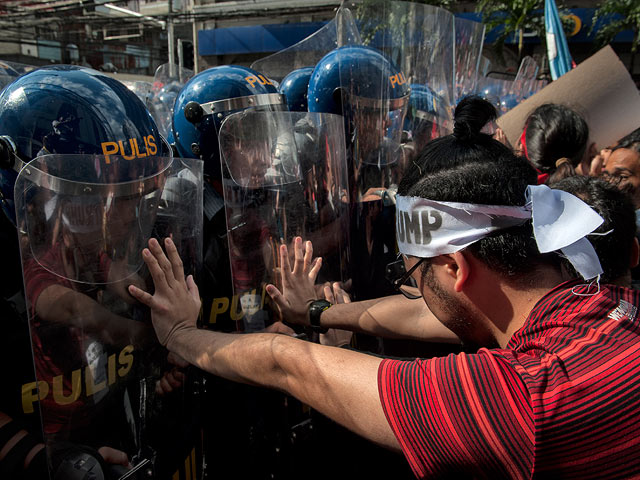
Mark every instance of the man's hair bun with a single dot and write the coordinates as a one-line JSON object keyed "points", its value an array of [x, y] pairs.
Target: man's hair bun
{"points": [[471, 114]]}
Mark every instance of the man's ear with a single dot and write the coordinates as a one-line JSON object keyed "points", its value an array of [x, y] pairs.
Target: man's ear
{"points": [[459, 268]]}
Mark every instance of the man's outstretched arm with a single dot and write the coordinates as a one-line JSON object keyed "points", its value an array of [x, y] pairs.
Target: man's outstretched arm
{"points": [[393, 316], [339, 383]]}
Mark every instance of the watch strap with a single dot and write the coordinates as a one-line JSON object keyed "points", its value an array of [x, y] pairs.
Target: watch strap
{"points": [[315, 310]]}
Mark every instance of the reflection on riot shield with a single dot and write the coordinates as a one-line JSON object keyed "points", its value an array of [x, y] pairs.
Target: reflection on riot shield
{"points": [[83, 221], [418, 38], [7, 74], [427, 119], [415, 46], [342, 30], [469, 43], [167, 83], [9, 71], [284, 176], [497, 91], [526, 82], [142, 89]]}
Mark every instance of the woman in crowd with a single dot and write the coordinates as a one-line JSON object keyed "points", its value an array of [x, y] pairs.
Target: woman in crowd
{"points": [[555, 140]]}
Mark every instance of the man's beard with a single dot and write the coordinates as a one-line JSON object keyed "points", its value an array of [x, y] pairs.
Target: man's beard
{"points": [[460, 319]]}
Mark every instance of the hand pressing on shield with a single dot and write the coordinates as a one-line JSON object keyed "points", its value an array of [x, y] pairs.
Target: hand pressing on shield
{"points": [[298, 283], [175, 304], [325, 378]]}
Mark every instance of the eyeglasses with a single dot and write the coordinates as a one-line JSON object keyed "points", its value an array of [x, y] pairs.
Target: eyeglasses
{"points": [[402, 280]]}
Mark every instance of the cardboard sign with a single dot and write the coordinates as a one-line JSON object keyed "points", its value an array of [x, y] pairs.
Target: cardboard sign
{"points": [[600, 89]]}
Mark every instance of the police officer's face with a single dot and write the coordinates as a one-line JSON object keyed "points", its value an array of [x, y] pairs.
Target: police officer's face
{"points": [[371, 127], [249, 166]]}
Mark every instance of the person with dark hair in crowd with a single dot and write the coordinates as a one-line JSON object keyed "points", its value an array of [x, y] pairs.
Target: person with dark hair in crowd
{"points": [[554, 140], [531, 399], [615, 240]]}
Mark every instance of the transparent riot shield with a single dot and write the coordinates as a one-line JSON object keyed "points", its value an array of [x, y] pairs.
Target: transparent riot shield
{"points": [[7, 74], [167, 83], [427, 119], [284, 175], [391, 106], [418, 38], [342, 30], [167, 73], [497, 91], [142, 89], [468, 49], [526, 82], [83, 221], [484, 67]]}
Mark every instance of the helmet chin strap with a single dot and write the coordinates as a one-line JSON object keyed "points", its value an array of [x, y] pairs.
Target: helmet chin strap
{"points": [[9, 159]]}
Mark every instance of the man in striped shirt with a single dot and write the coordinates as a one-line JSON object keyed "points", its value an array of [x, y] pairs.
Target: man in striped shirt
{"points": [[553, 385]]}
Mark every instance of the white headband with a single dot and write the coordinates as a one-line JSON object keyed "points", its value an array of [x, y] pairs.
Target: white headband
{"points": [[428, 228]]}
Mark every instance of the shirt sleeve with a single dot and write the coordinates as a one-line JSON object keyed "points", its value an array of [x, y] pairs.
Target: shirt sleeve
{"points": [[461, 414]]}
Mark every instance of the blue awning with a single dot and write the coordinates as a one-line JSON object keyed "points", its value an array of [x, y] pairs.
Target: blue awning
{"points": [[254, 39]]}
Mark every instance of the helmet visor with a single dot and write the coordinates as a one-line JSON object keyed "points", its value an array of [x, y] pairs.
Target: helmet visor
{"points": [[83, 215], [378, 128], [261, 149]]}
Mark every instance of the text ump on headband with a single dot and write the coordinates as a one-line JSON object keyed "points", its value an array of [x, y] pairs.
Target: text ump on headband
{"points": [[428, 228]]}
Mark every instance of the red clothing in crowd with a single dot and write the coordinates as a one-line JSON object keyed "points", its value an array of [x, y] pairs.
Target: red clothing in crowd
{"points": [[561, 401]]}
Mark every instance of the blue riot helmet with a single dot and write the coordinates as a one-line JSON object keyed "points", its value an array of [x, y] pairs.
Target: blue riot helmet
{"points": [[207, 99], [427, 117], [66, 109], [294, 87], [363, 85]]}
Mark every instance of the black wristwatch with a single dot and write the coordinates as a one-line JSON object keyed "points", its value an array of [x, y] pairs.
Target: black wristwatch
{"points": [[315, 310]]}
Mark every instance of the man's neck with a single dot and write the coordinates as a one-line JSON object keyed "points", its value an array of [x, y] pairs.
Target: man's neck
{"points": [[507, 304]]}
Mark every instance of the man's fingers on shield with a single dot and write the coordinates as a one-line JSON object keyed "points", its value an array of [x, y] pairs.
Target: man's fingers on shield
{"points": [[175, 378], [162, 260], [163, 386], [157, 274], [193, 288], [174, 259], [315, 269], [298, 257], [341, 295], [328, 294], [142, 296], [284, 261], [276, 296], [308, 254]]}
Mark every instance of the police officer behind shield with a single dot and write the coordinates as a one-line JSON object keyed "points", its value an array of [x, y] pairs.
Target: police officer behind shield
{"points": [[64, 110]]}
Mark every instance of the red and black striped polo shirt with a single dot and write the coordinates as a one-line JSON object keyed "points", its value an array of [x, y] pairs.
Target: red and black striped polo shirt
{"points": [[561, 401]]}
